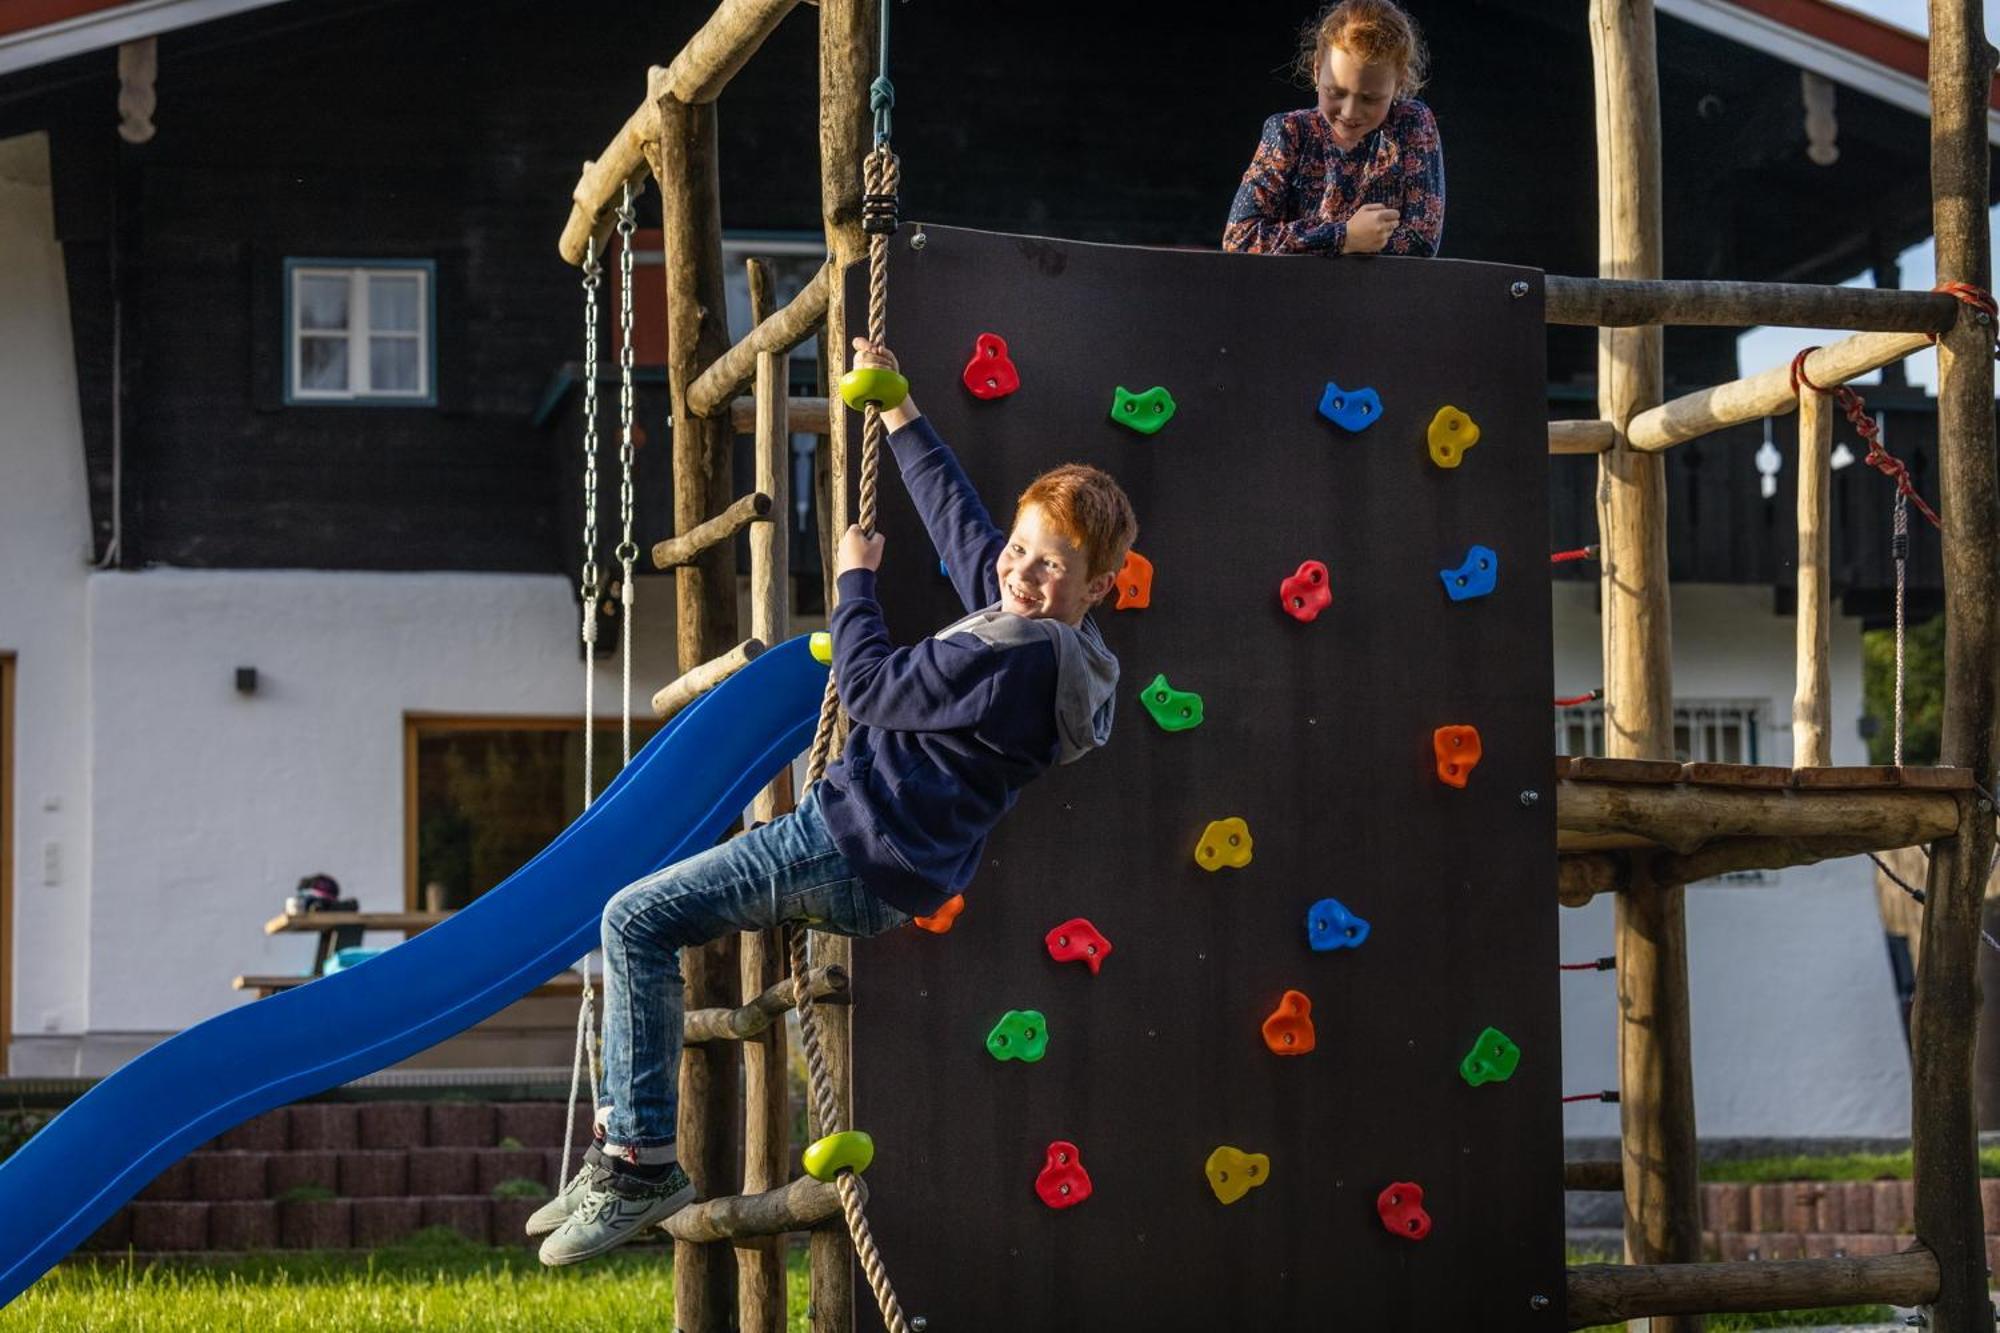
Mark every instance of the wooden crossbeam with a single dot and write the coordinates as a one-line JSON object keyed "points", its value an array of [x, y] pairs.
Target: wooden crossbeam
{"points": [[799, 1206], [805, 416], [1581, 437], [684, 691], [1612, 1293], [828, 985], [787, 327], [687, 548], [1626, 303]]}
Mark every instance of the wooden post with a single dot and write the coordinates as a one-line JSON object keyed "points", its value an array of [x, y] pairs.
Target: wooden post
{"points": [[1944, 1023], [1662, 1208], [704, 1287], [1812, 703], [846, 51], [760, 1264]]}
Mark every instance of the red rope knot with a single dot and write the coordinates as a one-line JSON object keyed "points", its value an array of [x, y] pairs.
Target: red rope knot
{"points": [[1856, 411]]}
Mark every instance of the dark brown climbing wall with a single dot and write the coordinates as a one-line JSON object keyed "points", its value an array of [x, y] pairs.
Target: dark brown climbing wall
{"points": [[1320, 736]]}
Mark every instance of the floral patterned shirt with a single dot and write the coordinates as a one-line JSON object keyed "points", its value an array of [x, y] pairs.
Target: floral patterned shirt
{"points": [[1301, 187]]}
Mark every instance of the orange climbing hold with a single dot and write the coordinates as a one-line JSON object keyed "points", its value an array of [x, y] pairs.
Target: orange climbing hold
{"points": [[1289, 1029], [1457, 753], [938, 922], [1134, 583]]}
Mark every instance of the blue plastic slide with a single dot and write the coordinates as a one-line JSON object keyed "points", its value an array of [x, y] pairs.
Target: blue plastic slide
{"points": [[675, 798]]}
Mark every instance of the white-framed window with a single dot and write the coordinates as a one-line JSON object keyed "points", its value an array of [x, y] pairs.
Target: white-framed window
{"points": [[361, 332], [1706, 731]]}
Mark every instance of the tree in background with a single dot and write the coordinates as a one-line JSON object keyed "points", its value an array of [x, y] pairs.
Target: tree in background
{"points": [[1923, 692]]}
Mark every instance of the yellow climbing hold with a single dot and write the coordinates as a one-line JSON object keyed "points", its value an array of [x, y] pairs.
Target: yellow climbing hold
{"points": [[1451, 434], [1225, 842], [849, 1150], [822, 647], [1233, 1173]]}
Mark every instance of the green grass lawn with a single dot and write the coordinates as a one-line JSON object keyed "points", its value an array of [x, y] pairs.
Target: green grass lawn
{"points": [[435, 1281]]}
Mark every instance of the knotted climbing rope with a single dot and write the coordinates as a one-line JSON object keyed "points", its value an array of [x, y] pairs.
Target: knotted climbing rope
{"points": [[881, 175]]}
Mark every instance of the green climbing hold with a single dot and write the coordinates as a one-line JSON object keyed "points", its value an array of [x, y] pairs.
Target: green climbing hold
{"points": [[1492, 1059], [1144, 412], [849, 1150], [1174, 710], [1021, 1034], [873, 384]]}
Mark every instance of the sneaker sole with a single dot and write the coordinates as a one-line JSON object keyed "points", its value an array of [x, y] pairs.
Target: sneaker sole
{"points": [[666, 1208]]}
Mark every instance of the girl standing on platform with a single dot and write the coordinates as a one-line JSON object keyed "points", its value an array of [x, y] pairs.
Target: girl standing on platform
{"points": [[1361, 172]]}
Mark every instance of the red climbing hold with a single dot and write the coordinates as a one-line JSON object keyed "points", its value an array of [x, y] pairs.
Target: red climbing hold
{"points": [[1077, 941], [1306, 593], [1063, 1183], [990, 373], [940, 921], [1402, 1209]]}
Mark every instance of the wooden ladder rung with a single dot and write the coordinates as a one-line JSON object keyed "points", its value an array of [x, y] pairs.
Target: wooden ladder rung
{"points": [[680, 693], [689, 546]]}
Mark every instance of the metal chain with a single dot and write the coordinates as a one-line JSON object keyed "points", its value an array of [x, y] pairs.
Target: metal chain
{"points": [[628, 550]]}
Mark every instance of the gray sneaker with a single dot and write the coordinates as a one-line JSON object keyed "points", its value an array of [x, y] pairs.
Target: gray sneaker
{"points": [[616, 1207], [553, 1213]]}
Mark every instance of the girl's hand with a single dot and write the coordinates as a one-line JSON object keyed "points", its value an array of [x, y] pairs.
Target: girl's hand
{"points": [[874, 357], [858, 550], [1368, 230]]}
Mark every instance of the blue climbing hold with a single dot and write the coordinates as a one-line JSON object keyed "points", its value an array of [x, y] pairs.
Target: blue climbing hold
{"points": [[1475, 575], [1330, 926], [1350, 409]]}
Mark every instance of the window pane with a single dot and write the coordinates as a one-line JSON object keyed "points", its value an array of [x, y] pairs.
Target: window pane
{"points": [[392, 303], [323, 364], [392, 365], [322, 302]]}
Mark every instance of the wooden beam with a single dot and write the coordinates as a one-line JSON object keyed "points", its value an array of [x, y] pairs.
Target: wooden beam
{"points": [[765, 1010], [1685, 818], [1767, 393], [1656, 1110], [1616, 303], [691, 685], [1812, 699], [1581, 876], [778, 332], [1944, 1120], [808, 415], [675, 552], [1608, 1293], [1607, 1177], [718, 49], [799, 1206], [1581, 437]]}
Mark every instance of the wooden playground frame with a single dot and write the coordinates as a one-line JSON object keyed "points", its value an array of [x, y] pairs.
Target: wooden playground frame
{"points": [[1636, 824]]}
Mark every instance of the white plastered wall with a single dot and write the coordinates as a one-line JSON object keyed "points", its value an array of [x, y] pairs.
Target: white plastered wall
{"points": [[1796, 1031], [44, 555]]}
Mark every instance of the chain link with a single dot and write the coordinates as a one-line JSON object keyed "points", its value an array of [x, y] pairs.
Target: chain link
{"points": [[593, 276], [628, 550]]}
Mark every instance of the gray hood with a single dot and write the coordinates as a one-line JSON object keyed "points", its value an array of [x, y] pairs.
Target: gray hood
{"points": [[1086, 671]]}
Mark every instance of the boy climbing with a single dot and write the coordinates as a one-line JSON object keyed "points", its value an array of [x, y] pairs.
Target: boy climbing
{"points": [[1360, 172], [946, 733]]}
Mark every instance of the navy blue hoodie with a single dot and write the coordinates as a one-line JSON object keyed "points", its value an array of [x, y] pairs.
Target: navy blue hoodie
{"points": [[947, 731]]}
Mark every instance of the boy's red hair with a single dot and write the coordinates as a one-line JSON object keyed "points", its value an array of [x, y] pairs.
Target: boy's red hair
{"points": [[1085, 505], [1375, 32]]}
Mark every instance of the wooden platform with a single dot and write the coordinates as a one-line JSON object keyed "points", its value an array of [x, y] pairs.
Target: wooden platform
{"points": [[1621, 823]]}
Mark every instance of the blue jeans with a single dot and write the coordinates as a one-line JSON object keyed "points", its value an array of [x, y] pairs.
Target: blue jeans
{"points": [[786, 871]]}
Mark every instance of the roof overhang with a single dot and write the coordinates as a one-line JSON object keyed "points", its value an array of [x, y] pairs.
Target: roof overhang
{"points": [[40, 32], [1851, 49]]}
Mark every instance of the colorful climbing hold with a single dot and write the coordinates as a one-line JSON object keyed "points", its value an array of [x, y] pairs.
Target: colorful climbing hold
{"points": [[1307, 592], [1134, 582], [821, 646], [1289, 1029], [1062, 1182], [1458, 753], [1144, 412], [1350, 409], [1492, 1059], [1225, 842], [873, 384], [1401, 1207], [940, 921], [849, 1150], [1451, 433], [1330, 926], [991, 372], [1475, 575], [1233, 1173], [1077, 941], [1174, 710], [1021, 1034]]}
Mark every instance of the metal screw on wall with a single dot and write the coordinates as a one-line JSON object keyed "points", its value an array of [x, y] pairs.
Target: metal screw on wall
{"points": [[1519, 289], [1538, 1302], [918, 240], [1530, 796]]}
